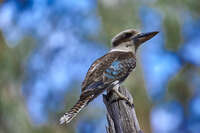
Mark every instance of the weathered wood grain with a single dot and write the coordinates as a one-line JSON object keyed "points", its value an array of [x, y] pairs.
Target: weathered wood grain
{"points": [[121, 116]]}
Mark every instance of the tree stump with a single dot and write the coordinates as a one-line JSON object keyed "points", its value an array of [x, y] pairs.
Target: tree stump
{"points": [[121, 116]]}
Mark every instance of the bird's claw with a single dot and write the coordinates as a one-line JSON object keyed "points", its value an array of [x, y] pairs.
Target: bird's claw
{"points": [[122, 97], [129, 102]]}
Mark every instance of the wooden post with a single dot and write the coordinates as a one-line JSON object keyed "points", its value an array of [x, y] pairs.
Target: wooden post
{"points": [[121, 116]]}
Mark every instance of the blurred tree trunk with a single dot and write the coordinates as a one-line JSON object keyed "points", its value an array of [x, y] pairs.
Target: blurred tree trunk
{"points": [[121, 117]]}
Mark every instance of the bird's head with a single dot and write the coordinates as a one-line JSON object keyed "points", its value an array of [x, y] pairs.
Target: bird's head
{"points": [[130, 40]]}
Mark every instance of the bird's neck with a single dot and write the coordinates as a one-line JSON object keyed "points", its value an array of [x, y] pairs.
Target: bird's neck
{"points": [[123, 49]]}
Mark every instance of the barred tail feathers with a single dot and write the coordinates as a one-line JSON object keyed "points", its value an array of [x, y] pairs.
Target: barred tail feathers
{"points": [[75, 110]]}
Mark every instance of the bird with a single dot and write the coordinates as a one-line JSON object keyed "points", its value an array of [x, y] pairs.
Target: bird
{"points": [[110, 70]]}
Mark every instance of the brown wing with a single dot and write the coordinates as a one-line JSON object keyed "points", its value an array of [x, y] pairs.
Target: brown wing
{"points": [[119, 69], [96, 70]]}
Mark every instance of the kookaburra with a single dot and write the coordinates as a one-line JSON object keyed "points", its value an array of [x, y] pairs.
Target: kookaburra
{"points": [[110, 70]]}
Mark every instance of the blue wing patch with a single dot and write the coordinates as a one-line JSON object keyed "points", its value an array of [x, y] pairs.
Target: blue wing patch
{"points": [[109, 76], [116, 64], [113, 70]]}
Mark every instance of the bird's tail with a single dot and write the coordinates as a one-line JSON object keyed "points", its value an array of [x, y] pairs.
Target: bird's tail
{"points": [[82, 102]]}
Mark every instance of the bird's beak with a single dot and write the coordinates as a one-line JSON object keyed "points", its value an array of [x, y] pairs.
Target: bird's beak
{"points": [[143, 37]]}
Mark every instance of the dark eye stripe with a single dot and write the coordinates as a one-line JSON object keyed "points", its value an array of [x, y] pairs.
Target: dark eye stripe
{"points": [[127, 35], [122, 38]]}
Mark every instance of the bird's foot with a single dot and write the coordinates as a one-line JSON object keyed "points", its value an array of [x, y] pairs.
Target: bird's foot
{"points": [[121, 96]]}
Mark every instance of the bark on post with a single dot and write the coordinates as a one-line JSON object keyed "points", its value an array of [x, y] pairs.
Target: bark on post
{"points": [[121, 117]]}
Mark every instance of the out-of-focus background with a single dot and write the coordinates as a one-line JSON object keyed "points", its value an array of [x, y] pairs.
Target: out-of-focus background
{"points": [[47, 46]]}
